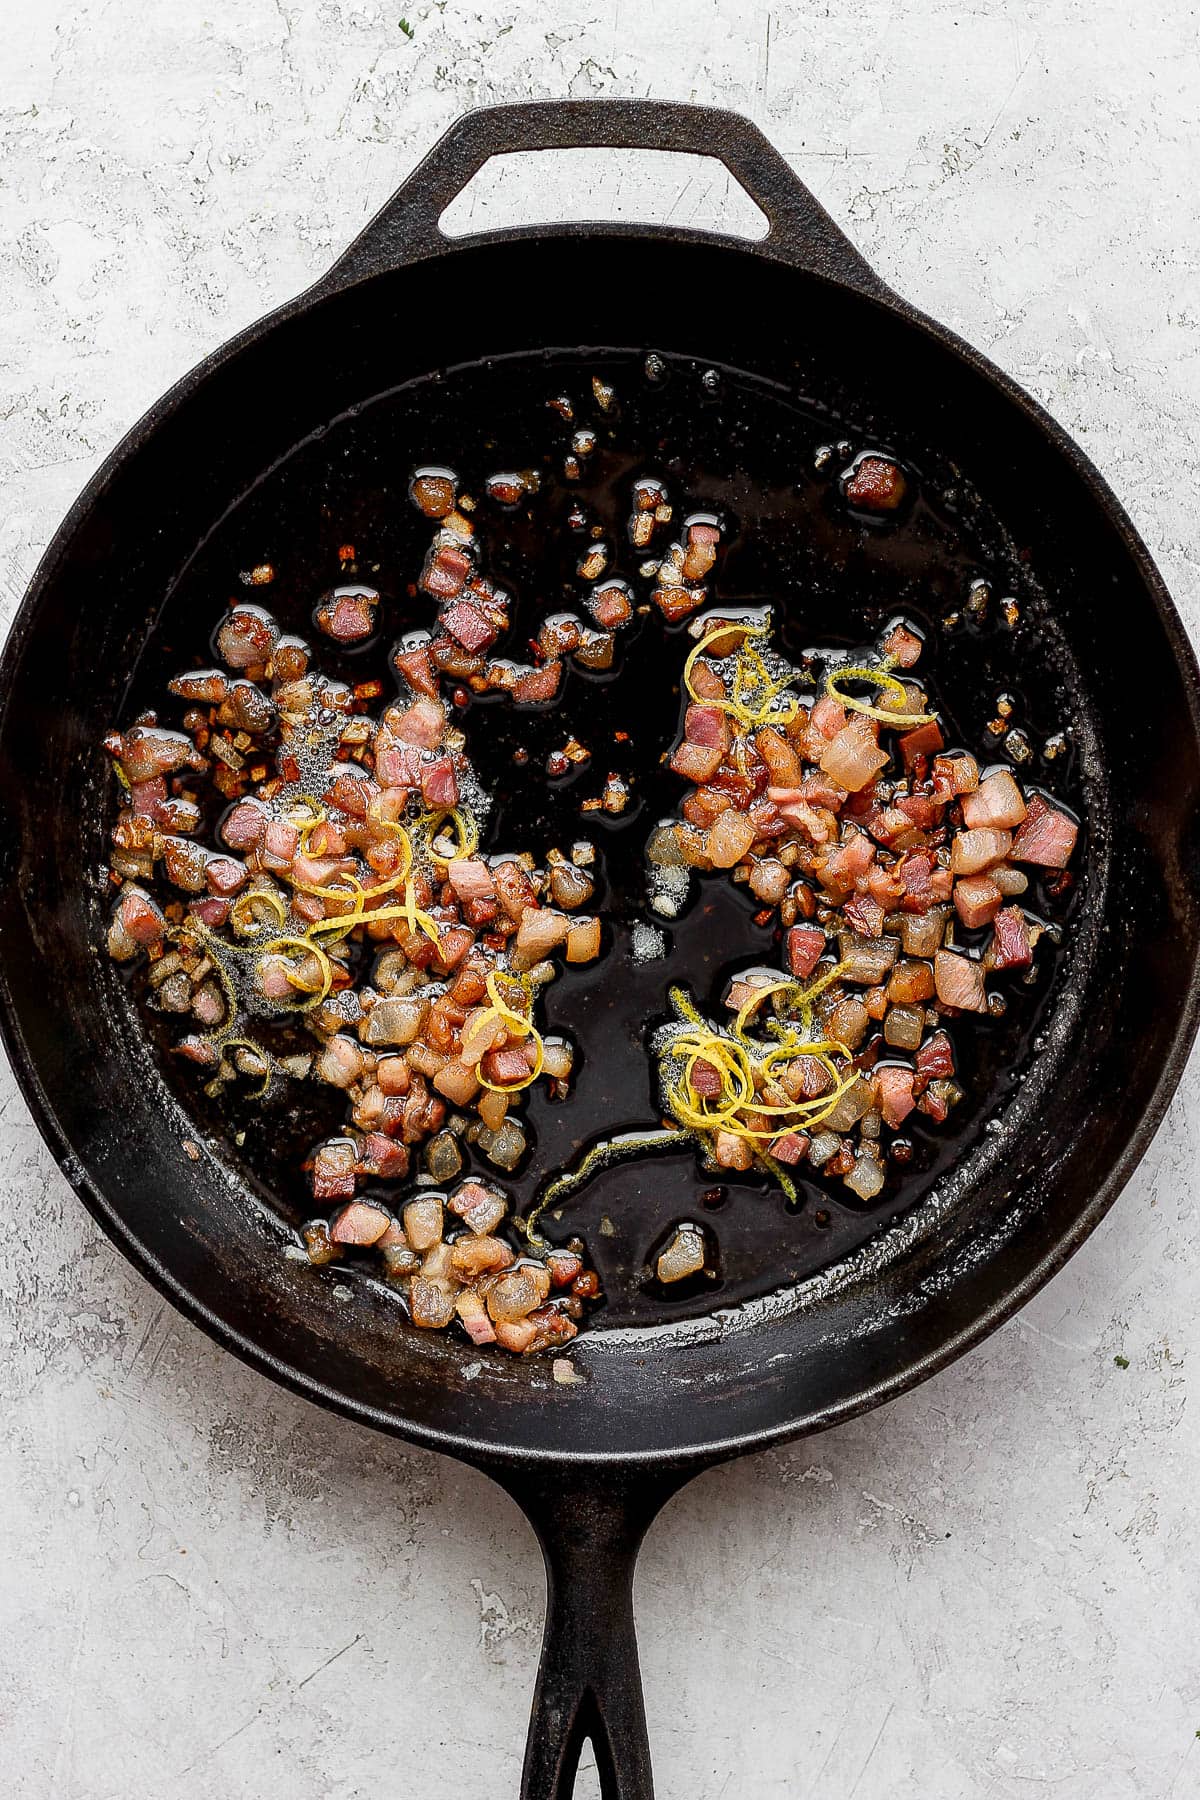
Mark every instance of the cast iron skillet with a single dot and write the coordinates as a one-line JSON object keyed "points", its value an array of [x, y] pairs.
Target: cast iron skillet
{"points": [[592, 1464]]}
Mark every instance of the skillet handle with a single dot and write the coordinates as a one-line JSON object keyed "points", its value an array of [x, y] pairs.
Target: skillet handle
{"points": [[801, 232], [590, 1525]]}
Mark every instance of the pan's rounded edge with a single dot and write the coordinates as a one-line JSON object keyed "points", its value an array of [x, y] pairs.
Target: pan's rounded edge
{"points": [[126, 446], [694, 1456]]}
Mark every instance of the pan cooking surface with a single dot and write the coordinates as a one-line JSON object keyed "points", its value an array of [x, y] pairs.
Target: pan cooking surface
{"points": [[724, 441]]}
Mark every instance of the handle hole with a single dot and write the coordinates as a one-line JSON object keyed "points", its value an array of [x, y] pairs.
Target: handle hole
{"points": [[651, 187], [587, 1776]]}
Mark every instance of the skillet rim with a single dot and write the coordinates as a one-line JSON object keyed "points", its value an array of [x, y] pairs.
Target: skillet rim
{"points": [[910, 1372]]}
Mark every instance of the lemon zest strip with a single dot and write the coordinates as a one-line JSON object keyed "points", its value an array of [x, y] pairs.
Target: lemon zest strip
{"points": [[879, 678], [515, 1087]]}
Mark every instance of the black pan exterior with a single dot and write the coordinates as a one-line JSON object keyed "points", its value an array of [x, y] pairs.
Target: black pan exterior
{"points": [[675, 1395]]}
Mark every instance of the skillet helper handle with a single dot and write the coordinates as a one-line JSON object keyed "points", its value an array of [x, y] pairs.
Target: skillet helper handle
{"points": [[589, 1686], [801, 232]]}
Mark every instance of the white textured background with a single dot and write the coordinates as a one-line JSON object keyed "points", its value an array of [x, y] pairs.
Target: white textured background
{"points": [[207, 1588]]}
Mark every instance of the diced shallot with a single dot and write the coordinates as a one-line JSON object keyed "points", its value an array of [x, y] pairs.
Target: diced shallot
{"points": [[583, 940], [769, 880], [341, 1061], [541, 930], [732, 1151], [696, 762], [479, 1255], [430, 1304], [854, 755], [458, 1081], [904, 1026], [972, 851], [516, 1294], [359, 1223], [683, 1256], [423, 1223], [729, 838], [867, 961]]}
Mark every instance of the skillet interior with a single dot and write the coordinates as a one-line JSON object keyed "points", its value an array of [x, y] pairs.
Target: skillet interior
{"points": [[782, 1368]]}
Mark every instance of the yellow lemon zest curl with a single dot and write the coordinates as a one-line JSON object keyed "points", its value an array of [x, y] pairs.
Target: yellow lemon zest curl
{"points": [[223, 1036], [514, 1087], [417, 919], [241, 1043], [465, 826], [318, 817], [740, 1060], [517, 1025], [752, 701], [743, 1064], [879, 678], [315, 994], [241, 913]]}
